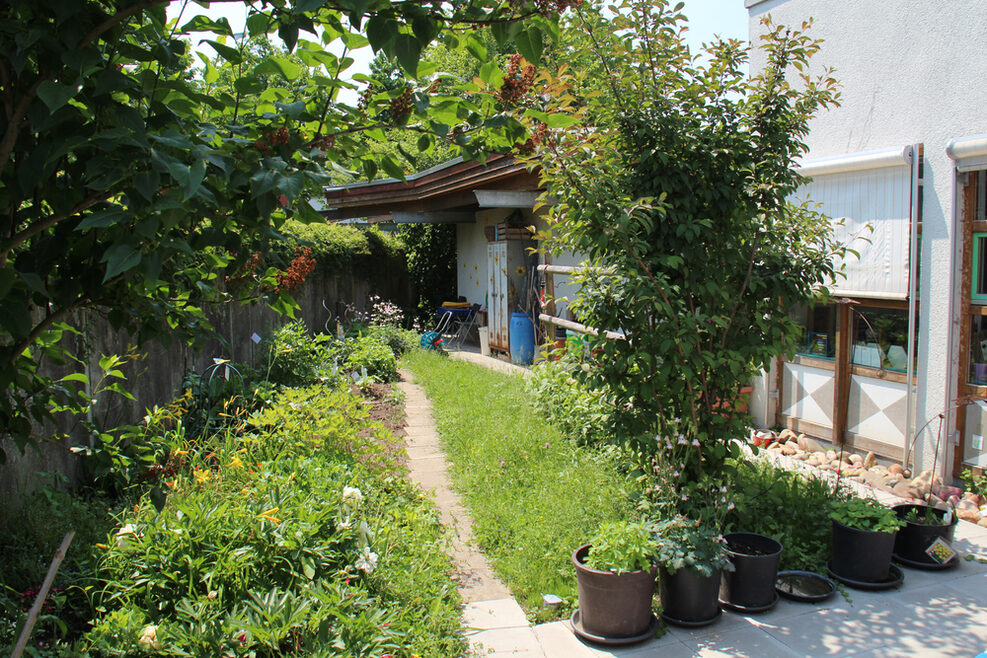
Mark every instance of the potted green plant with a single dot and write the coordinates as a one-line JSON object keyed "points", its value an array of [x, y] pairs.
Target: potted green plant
{"points": [[691, 556], [864, 533], [923, 526], [615, 578]]}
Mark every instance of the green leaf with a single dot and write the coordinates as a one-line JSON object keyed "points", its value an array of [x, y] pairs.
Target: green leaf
{"points": [[529, 44], [407, 50], [119, 259], [476, 48], [288, 69], [205, 24], [102, 218], [55, 95], [392, 168], [231, 55], [380, 31]]}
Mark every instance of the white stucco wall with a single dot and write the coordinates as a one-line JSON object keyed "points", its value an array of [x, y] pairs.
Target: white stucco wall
{"points": [[912, 71]]}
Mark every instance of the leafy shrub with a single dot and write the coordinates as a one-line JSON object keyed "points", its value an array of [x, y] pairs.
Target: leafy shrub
{"points": [[583, 414], [787, 506], [865, 514], [399, 340], [977, 483], [294, 357], [690, 544], [378, 359], [621, 546], [339, 248], [297, 537]]}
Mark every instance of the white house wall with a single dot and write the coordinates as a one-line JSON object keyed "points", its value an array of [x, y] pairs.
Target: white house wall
{"points": [[471, 247], [911, 72]]}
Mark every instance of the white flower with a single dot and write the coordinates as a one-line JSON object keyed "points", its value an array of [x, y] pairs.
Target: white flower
{"points": [[695, 442], [345, 524], [683, 441], [367, 561], [723, 489], [352, 496], [730, 506], [149, 638], [675, 474], [123, 534]]}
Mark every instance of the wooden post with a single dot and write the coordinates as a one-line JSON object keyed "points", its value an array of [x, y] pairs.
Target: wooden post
{"points": [[841, 393], [39, 600], [549, 308]]}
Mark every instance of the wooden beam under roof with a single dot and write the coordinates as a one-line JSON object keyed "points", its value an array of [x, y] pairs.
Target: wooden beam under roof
{"points": [[525, 199], [440, 217]]}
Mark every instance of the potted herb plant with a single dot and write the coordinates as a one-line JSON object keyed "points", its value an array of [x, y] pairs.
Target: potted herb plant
{"points": [[691, 556], [923, 526], [615, 578], [863, 540]]}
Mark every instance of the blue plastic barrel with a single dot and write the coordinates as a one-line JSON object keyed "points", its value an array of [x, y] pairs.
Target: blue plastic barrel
{"points": [[522, 339]]}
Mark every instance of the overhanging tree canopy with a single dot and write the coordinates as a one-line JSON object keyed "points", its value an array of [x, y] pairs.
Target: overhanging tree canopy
{"points": [[131, 186]]}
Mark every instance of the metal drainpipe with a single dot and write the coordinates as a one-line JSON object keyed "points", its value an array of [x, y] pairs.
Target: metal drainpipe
{"points": [[913, 257]]}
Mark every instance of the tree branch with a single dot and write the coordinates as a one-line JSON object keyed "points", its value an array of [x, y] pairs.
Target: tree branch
{"points": [[32, 230]]}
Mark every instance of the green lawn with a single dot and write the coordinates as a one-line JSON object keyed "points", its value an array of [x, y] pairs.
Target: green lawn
{"points": [[534, 495]]}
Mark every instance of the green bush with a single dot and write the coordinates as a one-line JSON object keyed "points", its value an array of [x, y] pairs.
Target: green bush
{"points": [[585, 415], [294, 357], [378, 359], [339, 248], [790, 507], [399, 340], [298, 537]]}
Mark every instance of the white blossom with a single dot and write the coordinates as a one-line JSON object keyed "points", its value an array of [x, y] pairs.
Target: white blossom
{"points": [[367, 561], [352, 496], [149, 638]]}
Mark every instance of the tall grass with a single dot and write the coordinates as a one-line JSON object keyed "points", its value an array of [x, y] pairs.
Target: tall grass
{"points": [[534, 495]]}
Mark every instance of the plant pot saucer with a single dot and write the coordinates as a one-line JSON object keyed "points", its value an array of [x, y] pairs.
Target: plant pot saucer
{"points": [[749, 609], [826, 586], [577, 628], [895, 578], [692, 624], [928, 566]]}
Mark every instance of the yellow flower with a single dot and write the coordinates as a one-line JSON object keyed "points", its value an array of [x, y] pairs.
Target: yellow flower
{"points": [[236, 462], [201, 477]]}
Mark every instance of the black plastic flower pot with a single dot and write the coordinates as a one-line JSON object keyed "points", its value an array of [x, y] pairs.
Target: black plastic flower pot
{"points": [[861, 555], [689, 598], [915, 537], [613, 606], [751, 585]]}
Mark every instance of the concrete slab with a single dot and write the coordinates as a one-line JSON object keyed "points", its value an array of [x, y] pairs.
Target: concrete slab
{"points": [[507, 642], [746, 642], [499, 613]]}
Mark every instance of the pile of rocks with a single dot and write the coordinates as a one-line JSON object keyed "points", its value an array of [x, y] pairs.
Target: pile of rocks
{"points": [[865, 469]]}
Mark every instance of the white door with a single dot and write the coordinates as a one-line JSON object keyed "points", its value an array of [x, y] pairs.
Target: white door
{"points": [[498, 317]]}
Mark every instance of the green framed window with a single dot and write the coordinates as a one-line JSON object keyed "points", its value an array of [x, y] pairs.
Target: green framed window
{"points": [[978, 287]]}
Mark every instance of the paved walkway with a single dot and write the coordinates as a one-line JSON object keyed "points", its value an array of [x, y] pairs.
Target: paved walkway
{"points": [[495, 620], [931, 614]]}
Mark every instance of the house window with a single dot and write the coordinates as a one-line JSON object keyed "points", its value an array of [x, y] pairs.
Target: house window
{"points": [[880, 338], [978, 287], [818, 331], [978, 350]]}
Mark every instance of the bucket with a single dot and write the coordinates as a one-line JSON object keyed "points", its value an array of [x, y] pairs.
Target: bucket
{"points": [[484, 340], [522, 339]]}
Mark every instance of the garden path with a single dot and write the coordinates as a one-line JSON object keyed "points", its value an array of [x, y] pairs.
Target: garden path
{"points": [[494, 620]]}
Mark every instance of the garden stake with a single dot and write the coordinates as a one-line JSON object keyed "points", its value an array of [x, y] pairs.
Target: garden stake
{"points": [[32, 616]]}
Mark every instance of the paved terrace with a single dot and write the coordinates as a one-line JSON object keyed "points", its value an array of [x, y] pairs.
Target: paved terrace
{"points": [[931, 614]]}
